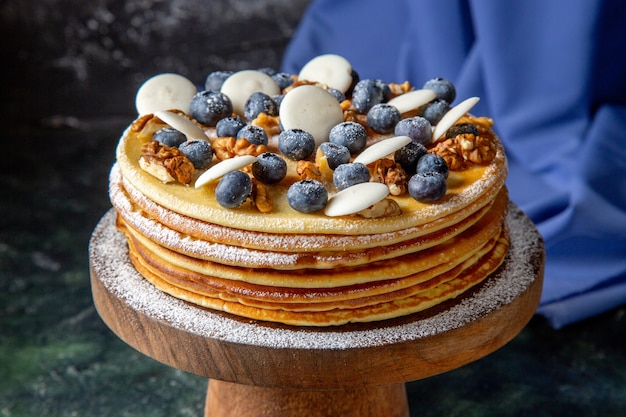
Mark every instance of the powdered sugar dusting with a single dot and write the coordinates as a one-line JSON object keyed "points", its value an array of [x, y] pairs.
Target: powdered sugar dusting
{"points": [[110, 263]]}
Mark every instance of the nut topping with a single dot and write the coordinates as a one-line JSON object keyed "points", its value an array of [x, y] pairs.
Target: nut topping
{"points": [[166, 163], [307, 170], [391, 173], [384, 208], [229, 147]]}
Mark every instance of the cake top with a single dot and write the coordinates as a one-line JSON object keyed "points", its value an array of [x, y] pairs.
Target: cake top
{"points": [[317, 152]]}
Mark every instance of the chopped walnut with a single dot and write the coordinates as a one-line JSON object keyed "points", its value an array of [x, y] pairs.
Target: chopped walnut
{"points": [[261, 197], [398, 89], [350, 115], [384, 208], [307, 170], [229, 147], [166, 163], [391, 173], [464, 150], [269, 123]]}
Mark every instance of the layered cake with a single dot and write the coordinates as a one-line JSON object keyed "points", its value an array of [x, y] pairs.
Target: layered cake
{"points": [[312, 199]]}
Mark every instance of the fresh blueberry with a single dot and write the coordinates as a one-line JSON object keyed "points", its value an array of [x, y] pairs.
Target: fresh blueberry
{"points": [[233, 189], [337, 94], [258, 103], [427, 187], [215, 80], [442, 87], [432, 163], [254, 134], [169, 136], [296, 144], [199, 152], [368, 93], [347, 175], [417, 128], [229, 126], [267, 70], [434, 111], [269, 168], [461, 129], [335, 154], [382, 118], [408, 156], [352, 135], [278, 98], [282, 79], [208, 107], [307, 196]]}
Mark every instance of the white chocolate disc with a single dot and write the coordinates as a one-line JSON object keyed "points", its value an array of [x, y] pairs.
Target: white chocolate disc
{"points": [[332, 70], [454, 114], [224, 167], [239, 86], [356, 198], [164, 92], [412, 100], [185, 126], [311, 109], [381, 149]]}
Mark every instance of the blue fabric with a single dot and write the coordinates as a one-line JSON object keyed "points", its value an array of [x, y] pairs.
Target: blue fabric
{"points": [[552, 74]]}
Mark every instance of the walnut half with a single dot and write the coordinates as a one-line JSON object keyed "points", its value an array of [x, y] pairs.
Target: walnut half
{"points": [[166, 163]]}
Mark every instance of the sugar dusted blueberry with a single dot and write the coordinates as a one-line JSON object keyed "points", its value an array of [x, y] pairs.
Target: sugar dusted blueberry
{"points": [[229, 126], [258, 103], [215, 80], [269, 168], [432, 163], [337, 94], [233, 189], [434, 111], [347, 175], [208, 107], [307, 196], [382, 118], [199, 152], [408, 156], [169, 136], [461, 129], [335, 154], [296, 144], [417, 128], [427, 187], [282, 79], [444, 88], [352, 135], [368, 93], [254, 134]]}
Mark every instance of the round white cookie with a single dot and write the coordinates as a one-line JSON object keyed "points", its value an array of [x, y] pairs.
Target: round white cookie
{"points": [[164, 92]]}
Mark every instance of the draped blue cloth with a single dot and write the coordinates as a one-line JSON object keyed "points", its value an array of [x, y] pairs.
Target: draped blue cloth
{"points": [[552, 74]]}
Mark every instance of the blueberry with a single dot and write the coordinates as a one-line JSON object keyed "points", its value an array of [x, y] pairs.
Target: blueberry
{"points": [[461, 129], [427, 187], [215, 80], [208, 107], [442, 87], [432, 163], [408, 156], [434, 111], [296, 144], [382, 118], [229, 126], [199, 152], [233, 189], [417, 128], [352, 135], [254, 134], [335, 154], [258, 103], [282, 79], [337, 94], [267, 70], [307, 196], [278, 98], [347, 175], [368, 93], [169, 136], [269, 168]]}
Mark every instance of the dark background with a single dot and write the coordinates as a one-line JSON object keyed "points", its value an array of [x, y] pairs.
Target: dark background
{"points": [[70, 71]]}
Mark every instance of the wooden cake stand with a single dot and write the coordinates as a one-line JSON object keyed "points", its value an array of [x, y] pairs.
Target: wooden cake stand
{"points": [[261, 369]]}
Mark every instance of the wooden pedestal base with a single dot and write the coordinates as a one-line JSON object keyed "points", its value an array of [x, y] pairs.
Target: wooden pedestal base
{"points": [[226, 399]]}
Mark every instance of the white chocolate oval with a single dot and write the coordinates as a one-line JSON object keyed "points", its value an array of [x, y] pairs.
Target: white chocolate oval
{"points": [[224, 167], [332, 70], [311, 109], [356, 198], [381, 149], [164, 92], [454, 114], [185, 126], [412, 100], [239, 86]]}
